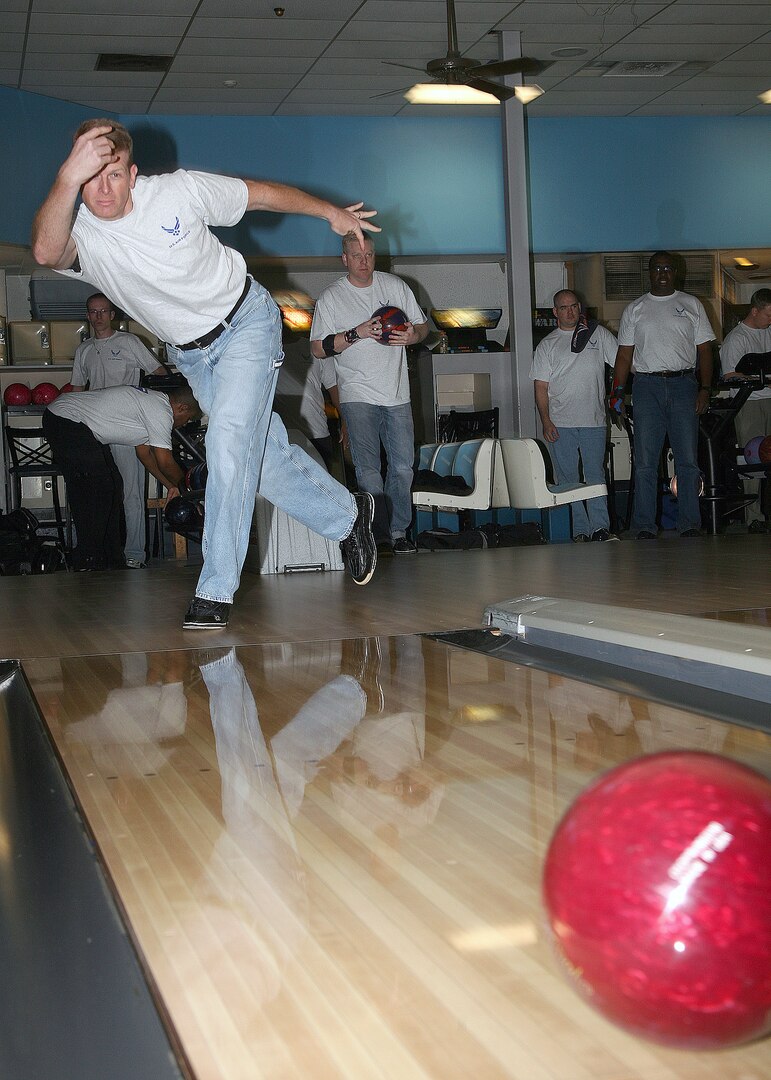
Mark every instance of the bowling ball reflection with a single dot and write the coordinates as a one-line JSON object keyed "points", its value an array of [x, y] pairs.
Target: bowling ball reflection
{"points": [[657, 885]]}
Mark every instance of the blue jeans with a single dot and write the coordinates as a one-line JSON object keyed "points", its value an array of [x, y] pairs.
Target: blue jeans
{"points": [[589, 443], [665, 407], [247, 450], [368, 426]]}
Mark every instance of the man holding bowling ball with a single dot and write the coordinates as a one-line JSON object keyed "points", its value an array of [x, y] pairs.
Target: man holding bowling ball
{"points": [[373, 387], [82, 427]]}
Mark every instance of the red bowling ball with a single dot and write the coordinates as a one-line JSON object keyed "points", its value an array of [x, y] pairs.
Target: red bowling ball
{"points": [[764, 450], [657, 886], [44, 393], [17, 393]]}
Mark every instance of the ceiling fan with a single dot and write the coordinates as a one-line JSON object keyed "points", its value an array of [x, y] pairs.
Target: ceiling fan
{"points": [[456, 70]]}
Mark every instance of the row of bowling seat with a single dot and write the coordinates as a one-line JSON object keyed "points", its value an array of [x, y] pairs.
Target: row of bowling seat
{"points": [[502, 473]]}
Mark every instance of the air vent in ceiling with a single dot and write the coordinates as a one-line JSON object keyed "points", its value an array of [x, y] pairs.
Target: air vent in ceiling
{"points": [[643, 69], [132, 62]]}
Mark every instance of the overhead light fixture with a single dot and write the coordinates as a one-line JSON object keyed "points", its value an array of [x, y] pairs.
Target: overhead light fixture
{"points": [[744, 263], [572, 51], [456, 94], [448, 94], [526, 94], [765, 97]]}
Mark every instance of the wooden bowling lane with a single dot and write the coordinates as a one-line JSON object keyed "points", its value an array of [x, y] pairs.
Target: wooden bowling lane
{"points": [[329, 854]]}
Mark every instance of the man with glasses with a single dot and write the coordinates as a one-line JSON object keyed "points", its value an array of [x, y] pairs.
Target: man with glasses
{"points": [[665, 340], [569, 375], [373, 387], [113, 358]]}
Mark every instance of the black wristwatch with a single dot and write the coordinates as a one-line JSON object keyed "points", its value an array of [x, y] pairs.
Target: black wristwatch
{"points": [[351, 335]]}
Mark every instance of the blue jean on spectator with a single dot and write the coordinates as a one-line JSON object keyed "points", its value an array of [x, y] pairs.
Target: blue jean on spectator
{"points": [[665, 407], [589, 443], [247, 450], [368, 426]]}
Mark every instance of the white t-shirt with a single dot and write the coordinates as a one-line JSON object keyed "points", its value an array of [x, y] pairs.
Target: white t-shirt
{"points": [[160, 263], [576, 380], [665, 332], [744, 339], [299, 399], [113, 361], [123, 415], [367, 371]]}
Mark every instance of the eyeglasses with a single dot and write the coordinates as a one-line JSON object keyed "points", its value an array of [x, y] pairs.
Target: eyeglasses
{"points": [[99, 311]]}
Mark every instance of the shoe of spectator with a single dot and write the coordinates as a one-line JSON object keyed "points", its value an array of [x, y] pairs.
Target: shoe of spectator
{"points": [[403, 546], [135, 564], [690, 533], [582, 538], [645, 535], [602, 536]]}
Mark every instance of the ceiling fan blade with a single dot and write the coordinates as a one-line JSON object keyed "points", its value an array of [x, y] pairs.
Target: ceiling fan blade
{"points": [[389, 93], [524, 66], [503, 93], [407, 67]]}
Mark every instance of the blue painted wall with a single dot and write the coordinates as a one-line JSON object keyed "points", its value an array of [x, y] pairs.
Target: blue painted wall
{"points": [[597, 183]]}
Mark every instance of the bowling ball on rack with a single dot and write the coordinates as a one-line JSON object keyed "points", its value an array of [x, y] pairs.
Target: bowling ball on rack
{"points": [[657, 885], [764, 450], [44, 393], [673, 486], [184, 516], [195, 478], [66, 389], [17, 393], [391, 318], [751, 455]]}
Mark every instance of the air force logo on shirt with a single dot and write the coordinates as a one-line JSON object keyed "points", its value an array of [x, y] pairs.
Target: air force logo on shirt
{"points": [[175, 230], [681, 313]]}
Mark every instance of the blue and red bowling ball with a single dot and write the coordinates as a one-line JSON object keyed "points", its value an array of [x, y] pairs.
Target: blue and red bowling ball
{"points": [[751, 450], [391, 318], [657, 885]]}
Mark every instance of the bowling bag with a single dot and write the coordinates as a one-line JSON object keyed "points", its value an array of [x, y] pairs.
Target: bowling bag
{"points": [[446, 540], [22, 551]]}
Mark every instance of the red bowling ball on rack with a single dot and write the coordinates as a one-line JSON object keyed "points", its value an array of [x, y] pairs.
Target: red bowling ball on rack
{"points": [[44, 393], [17, 393], [657, 885]]}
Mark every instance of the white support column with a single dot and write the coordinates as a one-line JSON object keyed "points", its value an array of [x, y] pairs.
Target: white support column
{"points": [[518, 246]]}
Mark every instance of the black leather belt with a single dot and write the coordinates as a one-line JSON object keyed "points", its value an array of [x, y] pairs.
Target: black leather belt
{"points": [[670, 374], [207, 339]]}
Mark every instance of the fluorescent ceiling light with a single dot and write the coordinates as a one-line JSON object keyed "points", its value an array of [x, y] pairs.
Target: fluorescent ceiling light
{"points": [[526, 94], [741, 261], [445, 94], [765, 97], [454, 94]]}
